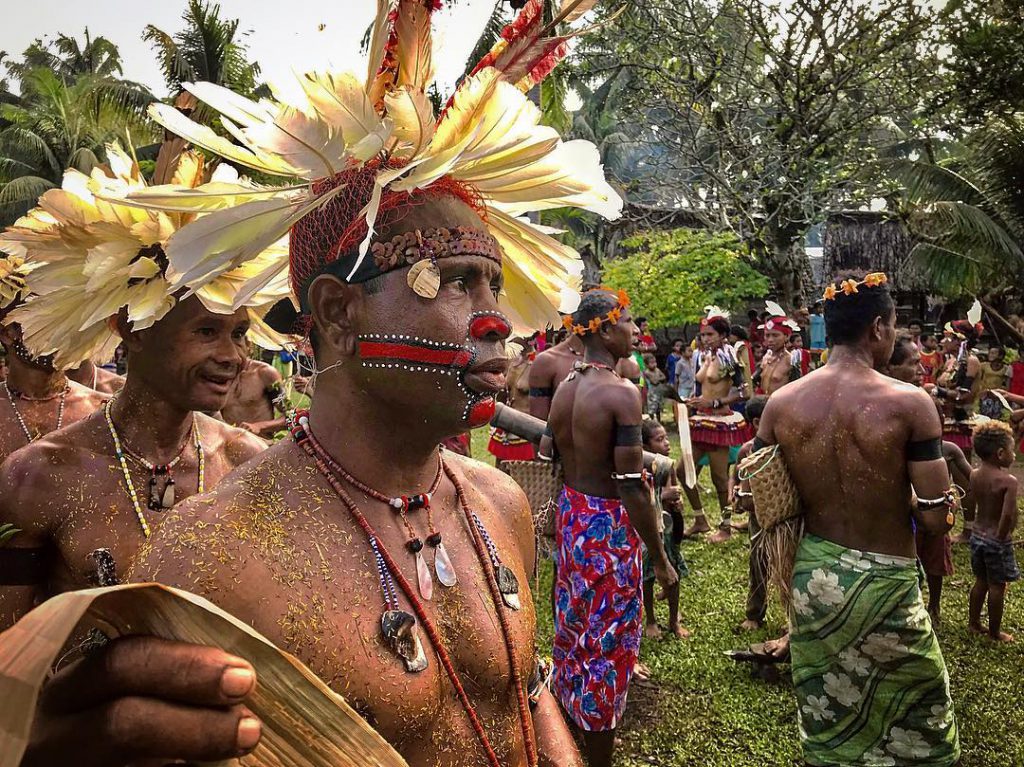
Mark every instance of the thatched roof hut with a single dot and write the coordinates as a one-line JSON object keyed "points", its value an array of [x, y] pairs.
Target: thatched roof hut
{"points": [[874, 242]]}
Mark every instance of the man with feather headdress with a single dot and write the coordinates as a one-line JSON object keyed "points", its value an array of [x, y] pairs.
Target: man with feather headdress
{"points": [[36, 397], [99, 278], [396, 572]]}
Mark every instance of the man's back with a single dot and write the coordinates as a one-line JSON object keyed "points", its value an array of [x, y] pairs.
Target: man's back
{"points": [[583, 419], [843, 431]]}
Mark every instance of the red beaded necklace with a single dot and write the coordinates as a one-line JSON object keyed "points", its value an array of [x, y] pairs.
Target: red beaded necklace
{"points": [[323, 462], [403, 505]]}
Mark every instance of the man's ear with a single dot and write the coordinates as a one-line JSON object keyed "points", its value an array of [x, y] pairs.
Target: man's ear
{"points": [[876, 329], [334, 306], [119, 324]]}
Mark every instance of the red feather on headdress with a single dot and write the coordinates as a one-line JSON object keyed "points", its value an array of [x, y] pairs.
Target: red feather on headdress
{"points": [[525, 55]]}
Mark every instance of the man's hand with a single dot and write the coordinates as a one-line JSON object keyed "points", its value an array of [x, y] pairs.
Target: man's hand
{"points": [[145, 698], [698, 402], [665, 574], [670, 494], [252, 428]]}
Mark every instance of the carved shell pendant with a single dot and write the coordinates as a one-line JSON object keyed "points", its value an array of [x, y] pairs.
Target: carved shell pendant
{"points": [[423, 577], [508, 585], [425, 278], [402, 634], [444, 568]]}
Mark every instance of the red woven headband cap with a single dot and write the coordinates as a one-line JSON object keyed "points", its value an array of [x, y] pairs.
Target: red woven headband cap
{"points": [[330, 235]]}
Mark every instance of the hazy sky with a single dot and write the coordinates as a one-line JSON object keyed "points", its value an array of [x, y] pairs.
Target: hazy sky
{"points": [[284, 35]]}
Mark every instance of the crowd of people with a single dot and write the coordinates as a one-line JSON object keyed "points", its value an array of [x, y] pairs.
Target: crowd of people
{"points": [[728, 378], [354, 533]]}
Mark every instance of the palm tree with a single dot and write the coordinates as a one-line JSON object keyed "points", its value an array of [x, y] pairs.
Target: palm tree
{"points": [[66, 58], [58, 124], [968, 212], [208, 49]]}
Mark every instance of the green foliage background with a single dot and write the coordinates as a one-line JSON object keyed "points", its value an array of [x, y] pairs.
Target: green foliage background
{"points": [[672, 275]]}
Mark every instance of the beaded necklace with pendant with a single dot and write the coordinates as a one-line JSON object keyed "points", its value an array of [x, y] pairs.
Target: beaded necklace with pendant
{"points": [[403, 505], [400, 628], [122, 456]]}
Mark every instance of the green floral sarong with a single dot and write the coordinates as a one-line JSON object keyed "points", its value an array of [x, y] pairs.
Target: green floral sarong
{"points": [[871, 686]]}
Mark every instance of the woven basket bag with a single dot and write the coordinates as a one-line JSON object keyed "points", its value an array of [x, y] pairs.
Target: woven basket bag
{"points": [[777, 507]]}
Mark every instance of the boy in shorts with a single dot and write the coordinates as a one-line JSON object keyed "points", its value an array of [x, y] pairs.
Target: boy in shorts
{"points": [[992, 559], [666, 495]]}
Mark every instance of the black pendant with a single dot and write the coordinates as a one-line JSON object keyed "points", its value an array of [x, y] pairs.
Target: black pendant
{"points": [[155, 496], [402, 634], [508, 585]]}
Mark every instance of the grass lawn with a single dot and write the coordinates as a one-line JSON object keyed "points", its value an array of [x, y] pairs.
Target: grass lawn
{"points": [[706, 710]]}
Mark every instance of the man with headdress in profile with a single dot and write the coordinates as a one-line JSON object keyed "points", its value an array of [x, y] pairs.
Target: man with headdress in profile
{"points": [[396, 571]]}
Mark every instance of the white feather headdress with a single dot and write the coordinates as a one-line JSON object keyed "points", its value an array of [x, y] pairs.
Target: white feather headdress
{"points": [[488, 138], [92, 257]]}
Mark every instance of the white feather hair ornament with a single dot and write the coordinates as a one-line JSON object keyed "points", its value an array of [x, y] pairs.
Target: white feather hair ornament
{"points": [[489, 138]]}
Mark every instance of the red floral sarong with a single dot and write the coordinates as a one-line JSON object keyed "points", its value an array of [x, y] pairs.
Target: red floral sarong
{"points": [[597, 608]]}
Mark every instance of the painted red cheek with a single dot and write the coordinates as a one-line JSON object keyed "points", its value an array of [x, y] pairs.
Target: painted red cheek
{"points": [[481, 327], [481, 413]]}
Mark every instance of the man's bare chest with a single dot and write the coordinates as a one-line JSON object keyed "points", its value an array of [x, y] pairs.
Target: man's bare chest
{"points": [[334, 625]]}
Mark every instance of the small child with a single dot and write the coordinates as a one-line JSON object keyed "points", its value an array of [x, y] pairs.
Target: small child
{"points": [[666, 493], [995, 492], [685, 374], [739, 493], [655, 379]]}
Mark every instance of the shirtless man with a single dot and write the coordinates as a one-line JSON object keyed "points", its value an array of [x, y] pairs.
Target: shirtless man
{"points": [[105, 481], [549, 370], [275, 515], [856, 443], [66, 492], [97, 378], [35, 399], [503, 445], [254, 403], [604, 511]]}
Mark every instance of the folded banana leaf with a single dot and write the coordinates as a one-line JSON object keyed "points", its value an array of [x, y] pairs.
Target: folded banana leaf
{"points": [[305, 724]]}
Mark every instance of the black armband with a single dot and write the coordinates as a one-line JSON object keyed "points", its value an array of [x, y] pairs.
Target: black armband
{"points": [[548, 431], [541, 391], [24, 567], [628, 436], [758, 444], [968, 383], [925, 449]]}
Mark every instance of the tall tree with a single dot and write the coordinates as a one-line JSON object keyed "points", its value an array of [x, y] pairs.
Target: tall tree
{"points": [[765, 113], [67, 58], [58, 124], [208, 48], [967, 211], [986, 69]]}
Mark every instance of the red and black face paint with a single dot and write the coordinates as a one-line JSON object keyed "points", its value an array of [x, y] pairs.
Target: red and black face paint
{"points": [[423, 355]]}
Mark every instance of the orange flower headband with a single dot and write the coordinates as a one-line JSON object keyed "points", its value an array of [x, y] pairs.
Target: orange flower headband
{"points": [[849, 287], [595, 324]]}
